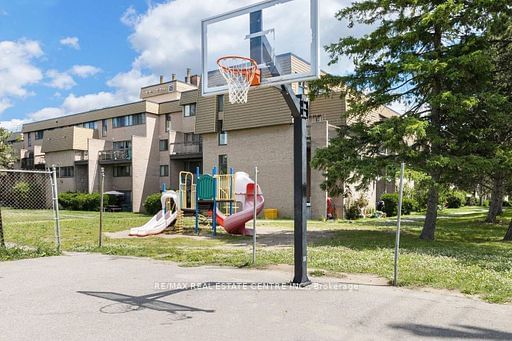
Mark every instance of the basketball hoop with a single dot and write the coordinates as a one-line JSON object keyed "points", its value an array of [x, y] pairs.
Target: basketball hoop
{"points": [[240, 74]]}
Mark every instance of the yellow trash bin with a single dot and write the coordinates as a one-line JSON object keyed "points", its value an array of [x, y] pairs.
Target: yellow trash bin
{"points": [[270, 213]]}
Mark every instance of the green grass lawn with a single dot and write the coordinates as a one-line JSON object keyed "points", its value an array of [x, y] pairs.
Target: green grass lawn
{"points": [[468, 255]]}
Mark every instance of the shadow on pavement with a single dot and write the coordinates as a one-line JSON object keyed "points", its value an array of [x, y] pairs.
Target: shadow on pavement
{"points": [[127, 303], [458, 332]]}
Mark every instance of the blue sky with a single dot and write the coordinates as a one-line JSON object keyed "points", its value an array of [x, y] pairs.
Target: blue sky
{"points": [[102, 43], [59, 57]]}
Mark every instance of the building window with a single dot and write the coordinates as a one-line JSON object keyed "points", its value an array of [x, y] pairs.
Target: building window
{"points": [[128, 120], [104, 127], [220, 103], [29, 140], [223, 138], [138, 119], [122, 171], [164, 170], [223, 164], [122, 145], [191, 138], [189, 110], [90, 125], [39, 135], [118, 122], [66, 172], [301, 88], [164, 145], [168, 123]]}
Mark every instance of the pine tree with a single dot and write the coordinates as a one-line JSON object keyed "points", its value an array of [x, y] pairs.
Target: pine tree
{"points": [[432, 56]]}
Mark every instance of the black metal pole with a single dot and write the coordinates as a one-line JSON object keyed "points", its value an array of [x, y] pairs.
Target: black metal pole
{"points": [[299, 201], [299, 111], [300, 114]]}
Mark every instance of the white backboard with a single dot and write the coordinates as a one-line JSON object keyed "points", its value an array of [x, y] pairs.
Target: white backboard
{"points": [[281, 35]]}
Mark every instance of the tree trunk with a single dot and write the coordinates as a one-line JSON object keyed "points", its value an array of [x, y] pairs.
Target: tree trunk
{"points": [[496, 205], [508, 236], [2, 240], [429, 226]]}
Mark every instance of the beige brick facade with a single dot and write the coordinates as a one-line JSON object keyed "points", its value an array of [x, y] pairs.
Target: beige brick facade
{"points": [[270, 149], [259, 133]]}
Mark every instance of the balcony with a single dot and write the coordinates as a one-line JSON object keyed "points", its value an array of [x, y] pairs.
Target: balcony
{"points": [[115, 156], [27, 163], [31, 162], [185, 150], [81, 157]]}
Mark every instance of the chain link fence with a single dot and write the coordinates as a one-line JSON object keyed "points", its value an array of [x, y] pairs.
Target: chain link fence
{"points": [[29, 212]]}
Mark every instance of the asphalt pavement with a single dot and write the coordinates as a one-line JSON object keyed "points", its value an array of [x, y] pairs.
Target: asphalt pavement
{"points": [[99, 297]]}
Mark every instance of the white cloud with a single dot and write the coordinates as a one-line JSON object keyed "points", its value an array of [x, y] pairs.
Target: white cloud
{"points": [[128, 84], [64, 80], [45, 113], [167, 36], [12, 125], [60, 80], [72, 42], [76, 104], [4, 104], [16, 68], [167, 40], [72, 104], [84, 71], [130, 17]]}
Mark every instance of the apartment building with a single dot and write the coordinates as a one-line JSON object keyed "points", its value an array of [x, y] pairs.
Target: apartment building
{"points": [[145, 144]]}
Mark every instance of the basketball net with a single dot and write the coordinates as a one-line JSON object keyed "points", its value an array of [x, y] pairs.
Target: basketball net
{"points": [[240, 73]]}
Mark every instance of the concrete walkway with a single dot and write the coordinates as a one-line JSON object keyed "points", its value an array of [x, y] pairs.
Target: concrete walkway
{"points": [[99, 297]]}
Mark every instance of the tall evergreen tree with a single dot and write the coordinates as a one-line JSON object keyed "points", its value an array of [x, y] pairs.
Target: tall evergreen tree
{"points": [[430, 55]]}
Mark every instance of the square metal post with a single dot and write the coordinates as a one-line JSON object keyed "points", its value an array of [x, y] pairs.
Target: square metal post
{"points": [[300, 200], [299, 110]]}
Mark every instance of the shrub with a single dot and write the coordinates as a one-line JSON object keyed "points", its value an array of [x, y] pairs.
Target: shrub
{"points": [[152, 204], [353, 213], [455, 199], [506, 203], [471, 201], [81, 201], [391, 204], [21, 194], [28, 195], [409, 206]]}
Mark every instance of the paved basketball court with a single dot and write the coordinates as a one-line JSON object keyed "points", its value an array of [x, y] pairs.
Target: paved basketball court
{"points": [[92, 296]]}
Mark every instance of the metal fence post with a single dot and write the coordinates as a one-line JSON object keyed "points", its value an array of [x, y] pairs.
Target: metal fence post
{"points": [[55, 194], [255, 213], [398, 223], [102, 189]]}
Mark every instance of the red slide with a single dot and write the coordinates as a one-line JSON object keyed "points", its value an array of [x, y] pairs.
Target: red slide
{"points": [[235, 223]]}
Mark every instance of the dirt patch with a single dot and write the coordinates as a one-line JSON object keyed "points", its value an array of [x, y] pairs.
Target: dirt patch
{"points": [[360, 279], [266, 237], [126, 235]]}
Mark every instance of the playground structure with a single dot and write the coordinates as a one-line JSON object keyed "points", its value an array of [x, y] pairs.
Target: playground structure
{"points": [[229, 197], [228, 200], [163, 219]]}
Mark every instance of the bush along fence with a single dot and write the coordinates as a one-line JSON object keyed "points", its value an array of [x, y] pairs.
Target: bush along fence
{"points": [[82, 201], [29, 197]]}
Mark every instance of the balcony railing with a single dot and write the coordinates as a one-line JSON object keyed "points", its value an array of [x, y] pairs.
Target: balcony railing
{"points": [[185, 148], [82, 156], [115, 155], [27, 163], [33, 162]]}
